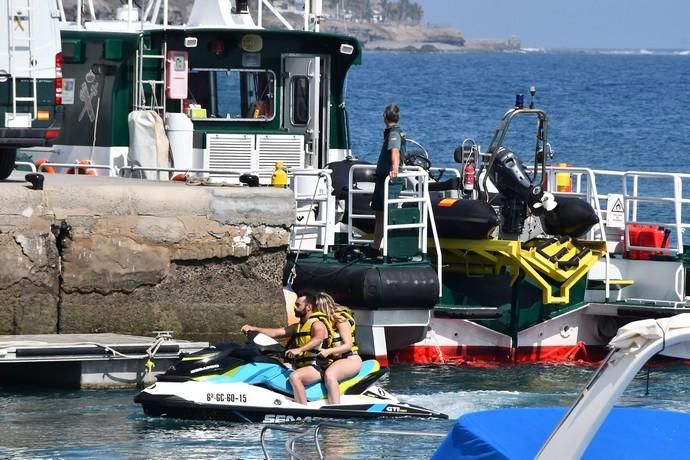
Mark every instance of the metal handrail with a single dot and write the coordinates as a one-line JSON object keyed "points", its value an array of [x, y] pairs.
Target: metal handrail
{"points": [[77, 167], [632, 197], [25, 163], [420, 196], [312, 13], [232, 172], [302, 433], [408, 172], [289, 444], [325, 223]]}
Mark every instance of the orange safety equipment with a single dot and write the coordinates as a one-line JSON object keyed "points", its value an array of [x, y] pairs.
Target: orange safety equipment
{"points": [[83, 171], [46, 169]]}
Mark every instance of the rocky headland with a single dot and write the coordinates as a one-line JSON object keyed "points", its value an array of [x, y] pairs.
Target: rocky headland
{"points": [[374, 36], [411, 37]]}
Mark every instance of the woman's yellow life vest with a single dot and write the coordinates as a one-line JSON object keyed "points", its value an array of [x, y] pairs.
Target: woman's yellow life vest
{"points": [[337, 340], [303, 336]]}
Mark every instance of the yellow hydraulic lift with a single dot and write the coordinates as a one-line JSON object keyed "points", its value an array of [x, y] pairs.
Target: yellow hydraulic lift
{"points": [[562, 261]]}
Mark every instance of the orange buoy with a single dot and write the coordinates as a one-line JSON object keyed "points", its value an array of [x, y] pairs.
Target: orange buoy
{"points": [[45, 169], [179, 177]]}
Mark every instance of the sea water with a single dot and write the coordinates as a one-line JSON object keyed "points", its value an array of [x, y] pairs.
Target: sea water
{"points": [[53, 424], [606, 110]]}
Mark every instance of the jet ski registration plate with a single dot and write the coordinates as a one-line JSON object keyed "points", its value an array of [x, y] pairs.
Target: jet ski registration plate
{"points": [[226, 397]]}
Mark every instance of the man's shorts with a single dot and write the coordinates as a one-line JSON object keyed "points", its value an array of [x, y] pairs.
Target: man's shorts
{"points": [[394, 189]]}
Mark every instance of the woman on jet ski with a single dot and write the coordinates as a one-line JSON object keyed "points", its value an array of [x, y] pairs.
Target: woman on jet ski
{"points": [[306, 339], [343, 346]]}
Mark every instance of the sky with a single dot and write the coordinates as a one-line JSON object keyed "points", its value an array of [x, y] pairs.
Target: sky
{"points": [[607, 24]]}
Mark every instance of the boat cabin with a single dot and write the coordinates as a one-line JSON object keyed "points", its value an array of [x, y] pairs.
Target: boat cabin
{"points": [[233, 97]]}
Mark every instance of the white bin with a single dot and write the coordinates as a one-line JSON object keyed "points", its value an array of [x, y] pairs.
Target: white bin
{"points": [[180, 131]]}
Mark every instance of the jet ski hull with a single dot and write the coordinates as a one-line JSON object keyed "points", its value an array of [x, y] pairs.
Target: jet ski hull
{"points": [[197, 400]]}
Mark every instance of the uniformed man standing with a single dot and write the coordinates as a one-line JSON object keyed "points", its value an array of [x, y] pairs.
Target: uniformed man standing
{"points": [[389, 164]]}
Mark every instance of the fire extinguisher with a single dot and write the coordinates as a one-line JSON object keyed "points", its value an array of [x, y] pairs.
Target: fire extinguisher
{"points": [[468, 179]]}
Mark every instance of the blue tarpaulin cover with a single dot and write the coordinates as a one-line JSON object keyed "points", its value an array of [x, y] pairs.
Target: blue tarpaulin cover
{"points": [[627, 433]]}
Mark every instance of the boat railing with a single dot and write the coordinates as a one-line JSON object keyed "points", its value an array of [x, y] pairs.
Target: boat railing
{"points": [[27, 164], [137, 19], [208, 173], [438, 174], [645, 200], [418, 197], [77, 168], [634, 197], [312, 192], [627, 200], [418, 194], [289, 443], [129, 14], [315, 430]]}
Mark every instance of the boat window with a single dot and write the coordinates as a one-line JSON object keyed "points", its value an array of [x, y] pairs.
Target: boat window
{"points": [[229, 94], [300, 100]]}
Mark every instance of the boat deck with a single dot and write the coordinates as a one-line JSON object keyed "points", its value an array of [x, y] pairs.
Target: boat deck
{"points": [[88, 360]]}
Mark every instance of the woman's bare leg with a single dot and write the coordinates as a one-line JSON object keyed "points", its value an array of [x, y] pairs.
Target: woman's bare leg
{"points": [[340, 370], [301, 377]]}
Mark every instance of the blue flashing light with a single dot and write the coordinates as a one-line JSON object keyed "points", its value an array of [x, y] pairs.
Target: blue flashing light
{"points": [[520, 101]]}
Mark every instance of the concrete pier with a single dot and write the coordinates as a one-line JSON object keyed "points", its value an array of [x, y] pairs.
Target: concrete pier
{"points": [[102, 254], [94, 361]]}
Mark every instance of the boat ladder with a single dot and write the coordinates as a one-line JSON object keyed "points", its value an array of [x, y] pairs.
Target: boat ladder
{"points": [[21, 40], [313, 432], [156, 99]]}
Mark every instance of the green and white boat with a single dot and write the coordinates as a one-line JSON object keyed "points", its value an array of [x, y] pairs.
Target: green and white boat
{"points": [[501, 262]]}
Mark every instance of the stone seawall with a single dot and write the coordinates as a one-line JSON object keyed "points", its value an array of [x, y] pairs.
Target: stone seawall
{"points": [[92, 254]]}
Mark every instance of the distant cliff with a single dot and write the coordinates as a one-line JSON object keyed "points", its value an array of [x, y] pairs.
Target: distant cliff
{"points": [[408, 37], [385, 35]]}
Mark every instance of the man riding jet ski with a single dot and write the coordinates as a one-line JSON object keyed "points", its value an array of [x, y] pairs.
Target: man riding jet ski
{"points": [[247, 383]]}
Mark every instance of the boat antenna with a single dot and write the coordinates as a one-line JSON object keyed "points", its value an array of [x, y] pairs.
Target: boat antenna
{"points": [[346, 129], [532, 93]]}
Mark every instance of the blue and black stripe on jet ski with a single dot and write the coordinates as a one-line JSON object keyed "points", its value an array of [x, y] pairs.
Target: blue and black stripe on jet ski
{"points": [[176, 407]]}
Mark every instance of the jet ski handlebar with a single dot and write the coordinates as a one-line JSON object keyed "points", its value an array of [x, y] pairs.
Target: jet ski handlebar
{"points": [[265, 344]]}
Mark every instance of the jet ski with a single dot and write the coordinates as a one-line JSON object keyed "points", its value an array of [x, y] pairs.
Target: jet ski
{"points": [[247, 383]]}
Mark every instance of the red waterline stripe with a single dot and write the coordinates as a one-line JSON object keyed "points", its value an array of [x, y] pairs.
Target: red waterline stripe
{"points": [[383, 360], [467, 354]]}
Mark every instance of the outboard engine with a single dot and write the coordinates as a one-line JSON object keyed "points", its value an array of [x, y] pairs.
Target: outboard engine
{"points": [[517, 191], [562, 216], [520, 194]]}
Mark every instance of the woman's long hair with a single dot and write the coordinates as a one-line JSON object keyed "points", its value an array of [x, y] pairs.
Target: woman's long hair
{"points": [[326, 305]]}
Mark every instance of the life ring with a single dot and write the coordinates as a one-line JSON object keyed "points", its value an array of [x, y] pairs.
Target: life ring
{"points": [[45, 169], [83, 171]]}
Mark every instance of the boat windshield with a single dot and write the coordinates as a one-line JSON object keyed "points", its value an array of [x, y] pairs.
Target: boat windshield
{"points": [[231, 94]]}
